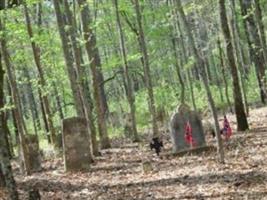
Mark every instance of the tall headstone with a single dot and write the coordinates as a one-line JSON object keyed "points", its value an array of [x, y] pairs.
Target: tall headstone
{"points": [[32, 143], [76, 146], [127, 118], [178, 129]]}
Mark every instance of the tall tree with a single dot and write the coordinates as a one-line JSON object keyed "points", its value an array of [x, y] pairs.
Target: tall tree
{"points": [[242, 123], [87, 99], [259, 20], [129, 87], [6, 173], [238, 54], [95, 65], [77, 91], [254, 43], [17, 110], [174, 39], [224, 76], [146, 65], [36, 54], [201, 65]]}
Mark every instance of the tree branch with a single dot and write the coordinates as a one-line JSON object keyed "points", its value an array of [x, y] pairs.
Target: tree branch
{"points": [[111, 78], [130, 24]]}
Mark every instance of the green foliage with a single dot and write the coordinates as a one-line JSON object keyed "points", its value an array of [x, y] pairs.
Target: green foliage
{"points": [[157, 22]]}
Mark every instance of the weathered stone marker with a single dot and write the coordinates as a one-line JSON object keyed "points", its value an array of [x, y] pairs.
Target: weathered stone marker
{"points": [[178, 124], [127, 118], [76, 146], [31, 141]]}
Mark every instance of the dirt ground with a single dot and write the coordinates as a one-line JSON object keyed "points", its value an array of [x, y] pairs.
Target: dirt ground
{"points": [[119, 173]]}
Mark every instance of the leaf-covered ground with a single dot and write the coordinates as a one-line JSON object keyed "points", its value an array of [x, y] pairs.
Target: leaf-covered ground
{"points": [[119, 173]]}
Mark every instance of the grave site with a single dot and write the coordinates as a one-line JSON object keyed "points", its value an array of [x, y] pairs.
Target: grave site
{"points": [[134, 171], [133, 99]]}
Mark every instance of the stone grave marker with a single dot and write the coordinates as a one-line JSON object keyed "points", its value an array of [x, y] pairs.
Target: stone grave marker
{"points": [[34, 156], [127, 118], [177, 126], [76, 146]]}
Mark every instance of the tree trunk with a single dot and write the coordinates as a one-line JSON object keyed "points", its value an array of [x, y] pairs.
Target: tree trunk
{"points": [[201, 64], [8, 134], [192, 94], [37, 60], [224, 76], [242, 123], [6, 174], [95, 65], [86, 96], [184, 58], [239, 58], [76, 87], [32, 101], [178, 71], [147, 72], [129, 88], [44, 115], [58, 101], [258, 15], [17, 109], [174, 33], [254, 43], [14, 122], [245, 59]]}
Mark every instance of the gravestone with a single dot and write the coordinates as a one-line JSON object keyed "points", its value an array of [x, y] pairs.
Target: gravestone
{"points": [[76, 146], [127, 119], [34, 156], [114, 119], [177, 126]]}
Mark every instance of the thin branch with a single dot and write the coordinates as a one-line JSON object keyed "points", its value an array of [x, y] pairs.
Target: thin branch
{"points": [[130, 24], [112, 77]]}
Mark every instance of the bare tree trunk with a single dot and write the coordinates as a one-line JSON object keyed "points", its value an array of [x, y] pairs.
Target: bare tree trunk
{"points": [[245, 59], [239, 58], [17, 109], [258, 15], [87, 100], [254, 43], [95, 65], [58, 101], [189, 80], [37, 60], [174, 33], [76, 87], [6, 174], [129, 87], [32, 101], [242, 123], [178, 71], [217, 79], [201, 64], [14, 122], [8, 134], [223, 67], [184, 57], [147, 72]]}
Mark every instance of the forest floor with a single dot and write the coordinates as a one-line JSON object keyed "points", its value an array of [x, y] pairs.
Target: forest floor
{"points": [[119, 173]]}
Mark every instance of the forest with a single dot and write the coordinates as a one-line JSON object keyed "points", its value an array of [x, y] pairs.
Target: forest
{"points": [[133, 99]]}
